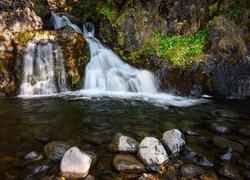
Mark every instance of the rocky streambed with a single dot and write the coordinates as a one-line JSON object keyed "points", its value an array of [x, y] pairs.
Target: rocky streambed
{"points": [[105, 138]]}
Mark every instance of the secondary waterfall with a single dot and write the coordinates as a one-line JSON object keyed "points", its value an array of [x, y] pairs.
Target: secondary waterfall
{"points": [[44, 71]]}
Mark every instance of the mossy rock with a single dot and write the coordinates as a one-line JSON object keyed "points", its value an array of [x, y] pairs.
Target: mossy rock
{"points": [[74, 46]]}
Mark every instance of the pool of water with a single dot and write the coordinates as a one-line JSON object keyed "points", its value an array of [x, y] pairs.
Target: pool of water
{"points": [[91, 123]]}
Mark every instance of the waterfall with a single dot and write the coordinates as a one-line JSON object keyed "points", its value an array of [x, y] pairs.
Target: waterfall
{"points": [[107, 75], [107, 72], [44, 71], [61, 21]]}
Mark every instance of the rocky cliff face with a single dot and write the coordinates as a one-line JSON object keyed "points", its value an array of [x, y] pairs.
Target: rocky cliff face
{"points": [[195, 48]]}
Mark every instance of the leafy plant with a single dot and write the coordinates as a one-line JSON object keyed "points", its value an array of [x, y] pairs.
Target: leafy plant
{"points": [[182, 50]]}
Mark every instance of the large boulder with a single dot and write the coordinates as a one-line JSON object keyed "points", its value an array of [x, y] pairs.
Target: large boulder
{"points": [[152, 153], [75, 164], [173, 141]]}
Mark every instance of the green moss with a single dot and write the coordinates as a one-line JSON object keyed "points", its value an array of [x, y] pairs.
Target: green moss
{"points": [[120, 39], [213, 9], [25, 36], [235, 9]]}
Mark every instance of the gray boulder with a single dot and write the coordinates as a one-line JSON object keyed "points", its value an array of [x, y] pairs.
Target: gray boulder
{"points": [[152, 153], [173, 141], [124, 144]]}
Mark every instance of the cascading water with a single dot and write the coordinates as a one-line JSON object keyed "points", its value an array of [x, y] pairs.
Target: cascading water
{"points": [[61, 21], [106, 74], [44, 71]]}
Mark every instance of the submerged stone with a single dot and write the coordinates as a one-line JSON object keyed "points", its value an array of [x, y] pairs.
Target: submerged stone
{"points": [[55, 150], [152, 153], [190, 170], [228, 170], [220, 129], [33, 156], [223, 143], [75, 164], [245, 163], [173, 141], [127, 163], [209, 176], [197, 158], [226, 154]]}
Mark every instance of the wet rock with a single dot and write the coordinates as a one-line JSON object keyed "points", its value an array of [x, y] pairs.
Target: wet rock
{"points": [[209, 176], [44, 138], [244, 143], [246, 175], [41, 169], [191, 133], [124, 144], [152, 153], [75, 164], [148, 176], [197, 158], [173, 141], [225, 155], [245, 163], [220, 129], [244, 132], [10, 176], [55, 150], [141, 135], [166, 175], [223, 143], [227, 114], [230, 171], [190, 170], [127, 163], [89, 177], [92, 156], [33, 156]]}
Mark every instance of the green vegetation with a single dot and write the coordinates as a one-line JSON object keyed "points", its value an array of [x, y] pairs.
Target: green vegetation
{"points": [[182, 50]]}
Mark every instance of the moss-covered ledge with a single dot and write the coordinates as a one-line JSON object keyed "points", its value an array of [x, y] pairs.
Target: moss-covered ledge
{"points": [[74, 46]]}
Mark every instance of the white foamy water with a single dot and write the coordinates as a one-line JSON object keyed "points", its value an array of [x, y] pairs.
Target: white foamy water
{"points": [[43, 72], [61, 21], [107, 72], [106, 75]]}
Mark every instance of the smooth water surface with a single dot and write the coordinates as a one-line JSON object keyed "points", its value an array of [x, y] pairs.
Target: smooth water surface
{"points": [[90, 123]]}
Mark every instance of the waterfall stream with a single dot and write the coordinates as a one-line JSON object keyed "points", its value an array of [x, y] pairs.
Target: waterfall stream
{"points": [[105, 74], [44, 72]]}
